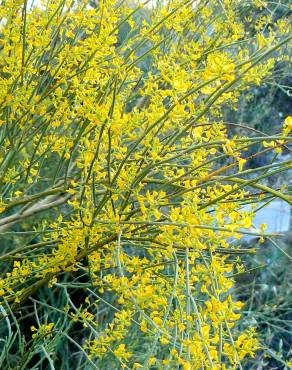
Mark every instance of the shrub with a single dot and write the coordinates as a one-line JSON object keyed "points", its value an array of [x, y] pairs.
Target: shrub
{"points": [[121, 191]]}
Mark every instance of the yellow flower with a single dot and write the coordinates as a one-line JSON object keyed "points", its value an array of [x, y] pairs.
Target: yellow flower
{"points": [[164, 341], [124, 153], [241, 163], [122, 353], [220, 65], [287, 128], [187, 366]]}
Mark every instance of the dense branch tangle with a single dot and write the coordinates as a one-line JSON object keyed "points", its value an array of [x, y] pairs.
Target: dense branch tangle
{"points": [[116, 164]]}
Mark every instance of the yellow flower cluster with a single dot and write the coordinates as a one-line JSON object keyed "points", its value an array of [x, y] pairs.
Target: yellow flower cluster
{"points": [[43, 330]]}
